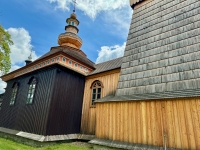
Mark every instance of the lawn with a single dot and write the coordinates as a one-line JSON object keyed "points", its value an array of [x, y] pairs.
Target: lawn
{"points": [[11, 145]]}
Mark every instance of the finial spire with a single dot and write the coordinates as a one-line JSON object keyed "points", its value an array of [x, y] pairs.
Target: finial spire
{"points": [[30, 57], [74, 1], [29, 60]]}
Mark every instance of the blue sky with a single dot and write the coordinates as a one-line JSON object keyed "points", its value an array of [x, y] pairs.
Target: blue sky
{"points": [[36, 24]]}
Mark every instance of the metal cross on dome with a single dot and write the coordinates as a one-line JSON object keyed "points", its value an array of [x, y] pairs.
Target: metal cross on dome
{"points": [[74, 1]]}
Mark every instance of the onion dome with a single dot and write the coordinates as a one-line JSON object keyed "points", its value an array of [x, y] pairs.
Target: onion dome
{"points": [[70, 37]]}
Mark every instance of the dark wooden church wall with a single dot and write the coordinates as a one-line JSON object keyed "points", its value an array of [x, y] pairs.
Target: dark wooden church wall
{"points": [[30, 118], [66, 105], [8, 113]]}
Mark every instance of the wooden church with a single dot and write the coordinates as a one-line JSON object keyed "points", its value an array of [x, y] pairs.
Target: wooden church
{"points": [[148, 99]]}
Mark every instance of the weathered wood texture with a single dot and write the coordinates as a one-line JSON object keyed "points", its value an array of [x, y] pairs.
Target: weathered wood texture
{"points": [[162, 51], [146, 122], [109, 80]]}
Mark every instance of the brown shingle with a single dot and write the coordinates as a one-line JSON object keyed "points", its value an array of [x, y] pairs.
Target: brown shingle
{"points": [[106, 66]]}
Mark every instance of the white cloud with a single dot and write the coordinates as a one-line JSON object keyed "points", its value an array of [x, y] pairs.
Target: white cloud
{"points": [[92, 7], [22, 45], [108, 53], [2, 86], [19, 51], [119, 21], [116, 14]]}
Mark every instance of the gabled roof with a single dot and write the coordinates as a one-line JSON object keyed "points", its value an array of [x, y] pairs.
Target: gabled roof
{"points": [[106, 66], [73, 52]]}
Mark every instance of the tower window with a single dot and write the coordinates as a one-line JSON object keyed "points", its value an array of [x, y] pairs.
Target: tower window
{"points": [[76, 65], [96, 91], [70, 62], [64, 59], [14, 93], [31, 91]]}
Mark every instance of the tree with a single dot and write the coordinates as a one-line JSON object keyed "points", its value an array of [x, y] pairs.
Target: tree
{"points": [[5, 42]]}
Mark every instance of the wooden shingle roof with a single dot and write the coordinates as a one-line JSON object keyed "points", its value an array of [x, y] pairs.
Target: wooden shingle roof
{"points": [[162, 57], [106, 66]]}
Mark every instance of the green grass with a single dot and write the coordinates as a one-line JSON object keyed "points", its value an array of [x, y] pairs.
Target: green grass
{"points": [[11, 145]]}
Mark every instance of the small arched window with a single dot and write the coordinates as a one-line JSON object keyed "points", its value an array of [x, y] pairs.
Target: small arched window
{"points": [[14, 93], [31, 91], [96, 91]]}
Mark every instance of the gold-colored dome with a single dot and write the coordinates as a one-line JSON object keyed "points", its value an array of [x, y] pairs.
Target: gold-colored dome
{"points": [[73, 16], [70, 37]]}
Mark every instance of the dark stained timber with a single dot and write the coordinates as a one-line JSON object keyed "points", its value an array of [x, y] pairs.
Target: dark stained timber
{"points": [[66, 105], [56, 107]]}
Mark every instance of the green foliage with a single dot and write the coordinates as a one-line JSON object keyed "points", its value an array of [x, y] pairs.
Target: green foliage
{"points": [[11, 145], [5, 42]]}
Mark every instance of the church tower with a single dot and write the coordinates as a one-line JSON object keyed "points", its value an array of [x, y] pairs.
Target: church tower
{"points": [[70, 37]]}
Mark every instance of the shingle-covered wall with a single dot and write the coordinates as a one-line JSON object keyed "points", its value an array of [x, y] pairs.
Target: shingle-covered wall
{"points": [[163, 49]]}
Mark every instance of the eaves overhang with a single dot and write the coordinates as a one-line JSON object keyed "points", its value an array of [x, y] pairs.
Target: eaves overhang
{"points": [[39, 64]]}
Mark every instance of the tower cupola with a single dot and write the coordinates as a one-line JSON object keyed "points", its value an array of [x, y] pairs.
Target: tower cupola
{"points": [[70, 37]]}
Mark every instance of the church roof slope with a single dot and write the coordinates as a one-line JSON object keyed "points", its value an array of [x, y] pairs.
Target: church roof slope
{"points": [[162, 55], [108, 65], [73, 52]]}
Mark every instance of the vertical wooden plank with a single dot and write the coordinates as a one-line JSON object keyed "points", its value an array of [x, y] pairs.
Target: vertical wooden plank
{"points": [[138, 118], [189, 125], [164, 122], [159, 124], [121, 121], [196, 123], [182, 123], [144, 124], [134, 121], [131, 124], [101, 121], [90, 118], [105, 120], [198, 116], [110, 127], [118, 121], [126, 120], [88, 113], [148, 117], [114, 121], [154, 126], [177, 129], [97, 123], [170, 123]]}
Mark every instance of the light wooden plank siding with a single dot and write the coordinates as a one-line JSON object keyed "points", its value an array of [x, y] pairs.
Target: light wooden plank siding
{"points": [[146, 122], [109, 80]]}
